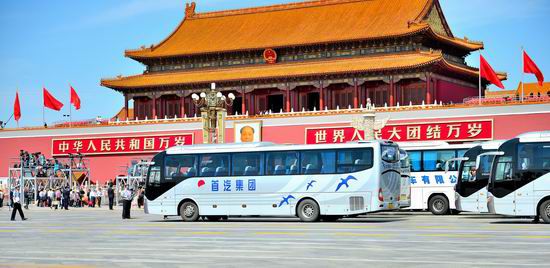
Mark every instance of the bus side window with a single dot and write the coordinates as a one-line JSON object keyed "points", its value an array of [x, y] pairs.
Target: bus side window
{"points": [[214, 165], [318, 162], [354, 160], [435, 160], [247, 164], [179, 167], [416, 161], [281, 163]]}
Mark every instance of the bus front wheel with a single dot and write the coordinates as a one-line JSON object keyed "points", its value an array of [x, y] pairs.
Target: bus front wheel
{"points": [[438, 205], [308, 211], [189, 211], [544, 211]]}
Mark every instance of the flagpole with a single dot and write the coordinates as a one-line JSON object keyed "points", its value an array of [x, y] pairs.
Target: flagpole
{"points": [[479, 76], [43, 107], [522, 72], [70, 108]]}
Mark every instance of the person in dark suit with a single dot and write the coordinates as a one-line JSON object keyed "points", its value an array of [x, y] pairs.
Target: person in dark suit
{"points": [[66, 197], [111, 195], [17, 205]]}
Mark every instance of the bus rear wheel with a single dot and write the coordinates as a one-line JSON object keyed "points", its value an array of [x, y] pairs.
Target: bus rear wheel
{"points": [[308, 211], [544, 211], [189, 211], [438, 205]]}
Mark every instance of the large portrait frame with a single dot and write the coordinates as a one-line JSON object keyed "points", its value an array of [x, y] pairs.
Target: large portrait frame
{"points": [[248, 131]]}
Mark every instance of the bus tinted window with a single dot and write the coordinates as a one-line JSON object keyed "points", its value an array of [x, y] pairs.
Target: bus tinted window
{"points": [[390, 153], [180, 166], [214, 165], [354, 160], [318, 162], [416, 161], [435, 160], [503, 170], [154, 176], [534, 156], [281, 163], [247, 164]]}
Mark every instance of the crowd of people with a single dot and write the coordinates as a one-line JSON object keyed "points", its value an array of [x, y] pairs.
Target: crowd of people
{"points": [[77, 197], [40, 166]]}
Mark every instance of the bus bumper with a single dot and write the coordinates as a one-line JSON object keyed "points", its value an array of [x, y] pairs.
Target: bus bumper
{"points": [[145, 206], [491, 204]]}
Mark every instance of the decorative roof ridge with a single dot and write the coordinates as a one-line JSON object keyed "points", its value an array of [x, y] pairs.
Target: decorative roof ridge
{"points": [[261, 9], [436, 54], [501, 75]]}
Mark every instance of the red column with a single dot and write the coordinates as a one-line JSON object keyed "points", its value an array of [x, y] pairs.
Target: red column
{"points": [[355, 94], [392, 97], [126, 109], [182, 108], [243, 102], [287, 100], [154, 107], [428, 89], [321, 97]]}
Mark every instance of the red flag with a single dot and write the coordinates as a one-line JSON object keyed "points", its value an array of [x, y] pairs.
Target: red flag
{"points": [[530, 67], [17, 107], [75, 100], [51, 102], [487, 72]]}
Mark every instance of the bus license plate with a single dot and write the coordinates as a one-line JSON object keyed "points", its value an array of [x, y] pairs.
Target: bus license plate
{"points": [[390, 206]]}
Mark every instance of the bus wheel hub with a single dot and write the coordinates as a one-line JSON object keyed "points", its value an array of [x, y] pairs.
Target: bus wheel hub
{"points": [[189, 211], [308, 211], [438, 205]]}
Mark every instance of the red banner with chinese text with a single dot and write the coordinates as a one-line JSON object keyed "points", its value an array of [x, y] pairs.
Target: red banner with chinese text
{"points": [[439, 131], [118, 145]]}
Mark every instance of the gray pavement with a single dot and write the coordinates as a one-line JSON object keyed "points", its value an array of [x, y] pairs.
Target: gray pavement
{"points": [[100, 238]]}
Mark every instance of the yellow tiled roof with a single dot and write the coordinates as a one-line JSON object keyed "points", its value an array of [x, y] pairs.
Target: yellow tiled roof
{"points": [[314, 22], [281, 70]]}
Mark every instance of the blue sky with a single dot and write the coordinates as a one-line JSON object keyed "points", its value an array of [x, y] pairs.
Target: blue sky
{"points": [[54, 43]]}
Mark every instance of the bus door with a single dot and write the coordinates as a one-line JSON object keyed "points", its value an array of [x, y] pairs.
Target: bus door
{"points": [[531, 161]]}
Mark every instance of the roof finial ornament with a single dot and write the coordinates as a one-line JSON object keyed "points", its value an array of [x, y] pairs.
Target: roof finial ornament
{"points": [[190, 10]]}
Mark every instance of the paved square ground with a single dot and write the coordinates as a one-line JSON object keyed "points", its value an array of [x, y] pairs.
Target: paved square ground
{"points": [[100, 238]]}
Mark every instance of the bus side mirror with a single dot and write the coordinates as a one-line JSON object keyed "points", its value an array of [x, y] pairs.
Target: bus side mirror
{"points": [[458, 159]]}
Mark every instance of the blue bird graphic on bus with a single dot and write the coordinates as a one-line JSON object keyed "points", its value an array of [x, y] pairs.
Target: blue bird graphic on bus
{"points": [[310, 184], [286, 200], [345, 182]]}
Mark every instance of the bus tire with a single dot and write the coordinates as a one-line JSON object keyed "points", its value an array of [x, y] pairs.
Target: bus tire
{"points": [[308, 211], [544, 211], [214, 218], [330, 218], [438, 205], [189, 211]]}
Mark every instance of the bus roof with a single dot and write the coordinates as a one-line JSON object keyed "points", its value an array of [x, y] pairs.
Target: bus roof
{"points": [[538, 136], [435, 145], [264, 146], [492, 145]]}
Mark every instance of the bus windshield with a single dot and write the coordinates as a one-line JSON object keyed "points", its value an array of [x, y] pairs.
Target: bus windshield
{"points": [[390, 153]]}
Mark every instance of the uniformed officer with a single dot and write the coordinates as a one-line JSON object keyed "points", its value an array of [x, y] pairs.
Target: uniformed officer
{"points": [[111, 195], [17, 205], [127, 197]]}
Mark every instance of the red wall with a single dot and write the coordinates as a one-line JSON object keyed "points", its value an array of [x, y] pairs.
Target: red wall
{"points": [[451, 92], [107, 167]]}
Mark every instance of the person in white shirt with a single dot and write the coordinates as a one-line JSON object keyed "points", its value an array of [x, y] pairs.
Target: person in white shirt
{"points": [[127, 197], [17, 204]]}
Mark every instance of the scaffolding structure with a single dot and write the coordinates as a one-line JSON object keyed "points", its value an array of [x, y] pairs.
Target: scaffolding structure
{"points": [[68, 173], [136, 173]]}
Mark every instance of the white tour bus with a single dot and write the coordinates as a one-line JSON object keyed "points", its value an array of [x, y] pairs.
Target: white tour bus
{"points": [[520, 177], [473, 177], [432, 187], [263, 179], [405, 189]]}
